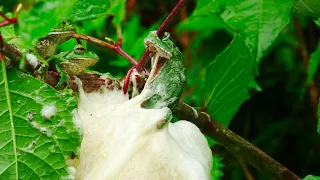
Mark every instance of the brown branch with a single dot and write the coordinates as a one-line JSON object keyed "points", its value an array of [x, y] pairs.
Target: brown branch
{"points": [[313, 91], [234, 143]]}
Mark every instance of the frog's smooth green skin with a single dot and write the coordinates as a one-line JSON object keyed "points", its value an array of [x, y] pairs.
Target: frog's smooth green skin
{"points": [[72, 63], [167, 75]]}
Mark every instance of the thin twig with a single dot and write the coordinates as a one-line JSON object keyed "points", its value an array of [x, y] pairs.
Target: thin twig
{"points": [[119, 36], [7, 21], [94, 40], [115, 47], [169, 18], [145, 58]]}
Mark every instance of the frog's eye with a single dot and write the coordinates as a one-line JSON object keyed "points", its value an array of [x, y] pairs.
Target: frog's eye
{"points": [[79, 49]]}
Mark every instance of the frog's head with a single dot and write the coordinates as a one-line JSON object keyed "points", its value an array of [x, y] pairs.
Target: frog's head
{"points": [[81, 56], [155, 44]]}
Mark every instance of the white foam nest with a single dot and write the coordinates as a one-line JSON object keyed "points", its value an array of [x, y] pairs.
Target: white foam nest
{"points": [[121, 141]]}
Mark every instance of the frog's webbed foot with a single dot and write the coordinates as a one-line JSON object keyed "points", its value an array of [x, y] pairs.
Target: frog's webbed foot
{"points": [[63, 78]]}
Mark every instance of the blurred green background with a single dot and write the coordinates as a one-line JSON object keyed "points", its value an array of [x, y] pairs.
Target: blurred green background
{"points": [[279, 117]]}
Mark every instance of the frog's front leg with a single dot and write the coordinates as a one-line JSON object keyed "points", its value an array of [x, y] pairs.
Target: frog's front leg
{"points": [[63, 76]]}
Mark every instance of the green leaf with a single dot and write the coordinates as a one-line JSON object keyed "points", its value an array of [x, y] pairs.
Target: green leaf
{"points": [[213, 21], [7, 32], [227, 81], [42, 18], [118, 10], [217, 165], [313, 64], [89, 9], [311, 177], [95, 26], [258, 21], [307, 8], [317, 21], [37, 134]]}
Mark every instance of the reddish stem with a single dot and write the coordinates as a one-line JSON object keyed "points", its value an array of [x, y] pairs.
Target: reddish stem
{"points": [[1, 40], [129, 7], [143, 61], [120, 41], [4, 16], [145, 58], [7, 21], [127, 81], [168, 20], [115, 47], [120, 51]]}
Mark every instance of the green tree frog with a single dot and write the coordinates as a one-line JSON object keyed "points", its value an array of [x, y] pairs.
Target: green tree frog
{"points": [[167, 75], [72, 63]]}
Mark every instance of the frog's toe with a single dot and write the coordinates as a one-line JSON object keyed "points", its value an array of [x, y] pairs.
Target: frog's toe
{"points": [[62, 80]]}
